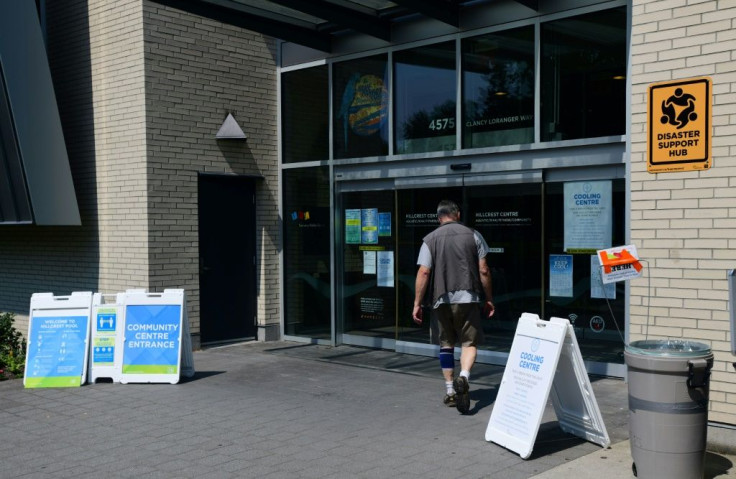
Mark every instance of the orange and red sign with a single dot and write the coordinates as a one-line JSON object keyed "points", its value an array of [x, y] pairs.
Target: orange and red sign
{"points": [[619, 263]]}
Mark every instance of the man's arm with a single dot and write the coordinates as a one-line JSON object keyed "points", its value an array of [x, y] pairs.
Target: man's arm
{"points": [[485, 279], [419, 289]]}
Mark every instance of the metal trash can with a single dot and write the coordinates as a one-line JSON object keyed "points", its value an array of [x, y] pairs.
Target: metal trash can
{"points": [[668, 407]]}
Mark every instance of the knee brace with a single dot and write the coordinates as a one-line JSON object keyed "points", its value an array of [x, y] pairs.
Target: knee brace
{"points": [[447, 358]]}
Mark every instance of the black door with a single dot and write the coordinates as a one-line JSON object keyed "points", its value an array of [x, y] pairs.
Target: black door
{"points": [[227, 248]]}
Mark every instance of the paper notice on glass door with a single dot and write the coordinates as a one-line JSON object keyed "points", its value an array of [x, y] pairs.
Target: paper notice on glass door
{"points": [[560, 275], [369, 262], [597, 288], [369, 225], [385, 273], [352, 226], [588, 216]]}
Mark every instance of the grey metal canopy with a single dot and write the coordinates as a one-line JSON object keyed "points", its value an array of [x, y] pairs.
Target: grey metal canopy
{"points": [[315, 23]]}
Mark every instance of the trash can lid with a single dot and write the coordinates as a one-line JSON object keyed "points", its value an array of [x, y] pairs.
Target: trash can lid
{"points": [[681, 348]]}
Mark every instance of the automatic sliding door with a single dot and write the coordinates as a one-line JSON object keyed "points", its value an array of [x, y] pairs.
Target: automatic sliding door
{"points": [[417, 217], [368, 267], [510, 219]]}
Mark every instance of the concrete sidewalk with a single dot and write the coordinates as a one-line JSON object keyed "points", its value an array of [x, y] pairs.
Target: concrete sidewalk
{"points": [[282, 410]]}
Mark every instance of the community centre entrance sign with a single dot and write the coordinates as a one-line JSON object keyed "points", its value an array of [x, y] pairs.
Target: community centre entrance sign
{"points": [[545, 358], [679, 125], [156, 329]]}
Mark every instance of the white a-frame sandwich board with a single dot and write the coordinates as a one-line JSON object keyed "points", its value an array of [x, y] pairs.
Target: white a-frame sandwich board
{"points": [[544, 358], [157, 347], [106, 343], [58, 340]]}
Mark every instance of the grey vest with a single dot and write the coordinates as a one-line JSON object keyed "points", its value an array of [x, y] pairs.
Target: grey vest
{"points": [[454, 260]]}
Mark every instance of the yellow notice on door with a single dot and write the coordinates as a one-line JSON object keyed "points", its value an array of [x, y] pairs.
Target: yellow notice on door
{"points": [[679, 126]]}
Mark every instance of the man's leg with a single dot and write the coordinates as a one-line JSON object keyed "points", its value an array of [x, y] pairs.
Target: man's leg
{"points": [[468, 321], [446, 336], [467, 358]]}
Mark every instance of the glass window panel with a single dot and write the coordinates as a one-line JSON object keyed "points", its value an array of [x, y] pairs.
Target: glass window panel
{"points": [[360, 107], [498, 88], [583, 76], [597, 312], [305, 115], [425, 86], [306, 200]]}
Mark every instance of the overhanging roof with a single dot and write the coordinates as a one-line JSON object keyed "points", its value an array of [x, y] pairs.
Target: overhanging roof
{"points": [[316, 23], [35, 180]]}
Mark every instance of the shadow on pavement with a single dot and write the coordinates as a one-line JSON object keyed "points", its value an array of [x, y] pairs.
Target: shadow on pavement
{"points": [[483, 397], [716, 465]]}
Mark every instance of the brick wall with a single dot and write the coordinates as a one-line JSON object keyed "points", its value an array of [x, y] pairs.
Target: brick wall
{"points": [[95, 51], [198, 71], [684, 224]]}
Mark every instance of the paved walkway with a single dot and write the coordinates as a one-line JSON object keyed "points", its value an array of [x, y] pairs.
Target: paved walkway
{"points": [[283, 410]]}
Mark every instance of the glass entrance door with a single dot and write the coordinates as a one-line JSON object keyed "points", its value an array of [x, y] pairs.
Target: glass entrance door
{"points": [[368, 286], [542, 259], [510, 219]]}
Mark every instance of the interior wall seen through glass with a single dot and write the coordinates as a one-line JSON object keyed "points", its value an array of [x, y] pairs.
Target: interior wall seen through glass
{"points": [[360, 107], [305, 115], [425, 91], [583, 77], [498, 88], [306, 228]]}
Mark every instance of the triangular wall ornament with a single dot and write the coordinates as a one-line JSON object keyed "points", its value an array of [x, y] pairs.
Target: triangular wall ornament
{"points": [[230, 130]]}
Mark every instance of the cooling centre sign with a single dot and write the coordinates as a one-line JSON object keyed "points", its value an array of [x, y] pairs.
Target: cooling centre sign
{"points": [[679, 125]]}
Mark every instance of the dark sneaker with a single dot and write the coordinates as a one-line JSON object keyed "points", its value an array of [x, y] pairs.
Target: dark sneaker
{"points": [[449, 400], [462, 394]]}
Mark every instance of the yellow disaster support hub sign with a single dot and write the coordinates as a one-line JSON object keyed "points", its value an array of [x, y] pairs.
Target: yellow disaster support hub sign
{"points": [[679, 125]]}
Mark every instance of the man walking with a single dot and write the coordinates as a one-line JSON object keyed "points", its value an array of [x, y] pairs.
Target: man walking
{"points": [[462, 282]]}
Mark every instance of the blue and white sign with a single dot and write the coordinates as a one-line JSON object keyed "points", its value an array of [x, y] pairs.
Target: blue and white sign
{"points": [[107, 341], [560, 275], [157, 345], [58, 335], [544, 358], [369, 225], [384, 224], [588, 216], [152, 335]]}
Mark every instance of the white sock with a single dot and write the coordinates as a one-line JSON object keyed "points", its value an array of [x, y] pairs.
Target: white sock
{"points": [[448, 387], [466, 374]]}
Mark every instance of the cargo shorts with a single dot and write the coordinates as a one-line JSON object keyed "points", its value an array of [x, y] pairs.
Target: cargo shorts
{"points": [[458, 322]]}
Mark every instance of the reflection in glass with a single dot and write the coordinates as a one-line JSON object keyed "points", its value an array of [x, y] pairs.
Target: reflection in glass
{"points": [[424, 98], [305, 115], [306, 223], [360, 107], [498, 88], [583, 76], [369, 299]]}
